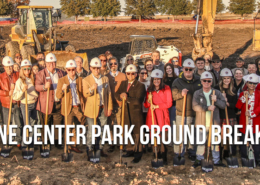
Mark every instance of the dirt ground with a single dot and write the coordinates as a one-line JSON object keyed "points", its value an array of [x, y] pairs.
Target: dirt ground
{"points": [[230, 41]]}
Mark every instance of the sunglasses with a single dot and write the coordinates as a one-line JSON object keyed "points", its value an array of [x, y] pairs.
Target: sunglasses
{"points": [[103, 60], [252, 83], [70, 70], [188, 69], [96, 68], [130, 74], [175, 61], [27, 69], [144, 73], [18, 57], [113, 64], [215, 61], [208, 81], [258, 63]]}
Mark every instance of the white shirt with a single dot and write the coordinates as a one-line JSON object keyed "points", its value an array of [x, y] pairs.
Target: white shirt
{"points": [[99, 88], [176, 71], [73, 87], [114, 74], [54, 79]]}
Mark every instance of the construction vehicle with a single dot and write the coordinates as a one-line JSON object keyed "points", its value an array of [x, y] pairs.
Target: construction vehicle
{"points": [[203, 40], [142, 46], [256, 36], [35, 33]]}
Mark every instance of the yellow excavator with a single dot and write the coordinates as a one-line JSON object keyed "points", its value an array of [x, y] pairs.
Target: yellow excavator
{"points": [[203, 40], [35, 33]]}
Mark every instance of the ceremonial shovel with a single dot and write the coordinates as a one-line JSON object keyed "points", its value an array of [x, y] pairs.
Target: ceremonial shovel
{"points": [[66, 157], [45, 149], [206, 164], [27, 152], [5, 151], [250, 162], [94, 156], [178, 159]]}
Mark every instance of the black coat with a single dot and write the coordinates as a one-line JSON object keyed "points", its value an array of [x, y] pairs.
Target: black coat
{"points": [[84, 74], [133, 106]]}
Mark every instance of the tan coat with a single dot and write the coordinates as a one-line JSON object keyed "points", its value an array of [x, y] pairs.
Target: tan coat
{"points": [[60, 94], [108, 105]]}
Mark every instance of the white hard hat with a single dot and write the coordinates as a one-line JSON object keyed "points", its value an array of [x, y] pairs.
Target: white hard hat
{"points": [[225, 72], [95, 62], [26, 63], [50, 57], [157, 73], [7, 61], [188, 63], [131, 68], [71, 63], [206, 75], [252, 78]]}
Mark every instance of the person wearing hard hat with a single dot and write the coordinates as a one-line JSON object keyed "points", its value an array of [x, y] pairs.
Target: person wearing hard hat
{"points": [[202, 105], [7, 84], [226, 87], [133, 92], [185, 85], [104, 106], [253, 114], [26, 83], [75, 103], [48, 78], [161, 97]]}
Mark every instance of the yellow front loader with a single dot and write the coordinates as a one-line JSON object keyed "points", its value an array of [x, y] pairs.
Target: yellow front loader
{"points": [[35, 33]]}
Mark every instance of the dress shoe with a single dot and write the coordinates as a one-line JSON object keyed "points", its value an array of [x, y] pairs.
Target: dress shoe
{"points": [[103, 154], [135, 160], [128, 154], [111, 149], [75, 149]]}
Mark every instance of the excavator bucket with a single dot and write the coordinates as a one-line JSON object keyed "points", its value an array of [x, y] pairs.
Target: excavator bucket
{"points": [[63, 57]]}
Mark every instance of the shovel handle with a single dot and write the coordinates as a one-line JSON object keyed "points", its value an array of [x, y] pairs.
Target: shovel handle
{"points": [[211, 122], [95, 97], [246, 95], [123, 120], [151, 104], [26, 113], [226, 113], [47, 106], [66, 122], [183, 117], [9, 114]]}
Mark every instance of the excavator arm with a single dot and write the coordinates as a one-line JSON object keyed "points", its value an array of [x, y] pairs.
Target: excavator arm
{"points": [[203, 40]]}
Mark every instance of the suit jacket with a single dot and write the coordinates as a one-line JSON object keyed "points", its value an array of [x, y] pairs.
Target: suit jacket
{"points": [[61, 95], [89, 107], [39, 84], [133, 105]]}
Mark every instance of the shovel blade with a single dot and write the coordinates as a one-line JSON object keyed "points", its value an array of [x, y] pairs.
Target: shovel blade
{"points": [[94, 156], [178, 160], [157, 163], [45, 151], [250, 163], [67, 157], [207, 166], [232, 162], [120, 165], [28, 153], [5, 151]]}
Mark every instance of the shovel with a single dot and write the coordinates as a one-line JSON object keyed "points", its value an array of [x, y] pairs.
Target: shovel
{"points": [[94, 156], [156, 163], [66, 156], [232, 161], [121, 164], [27, 152], [207, 165], [5, 151], [250, 162], [178, 159], [45, 149]]}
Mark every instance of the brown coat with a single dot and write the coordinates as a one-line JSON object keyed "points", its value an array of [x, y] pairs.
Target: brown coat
{"points": [[108, 105], [61, 95], [39, 84]]}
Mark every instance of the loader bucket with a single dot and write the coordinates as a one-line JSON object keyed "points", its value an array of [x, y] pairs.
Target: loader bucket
{"points": [[63, 57]]}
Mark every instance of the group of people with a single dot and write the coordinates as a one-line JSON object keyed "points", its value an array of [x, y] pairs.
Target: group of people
{"points": [[159, 88]]}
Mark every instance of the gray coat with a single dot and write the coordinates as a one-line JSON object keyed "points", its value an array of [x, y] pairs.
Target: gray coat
{"points": [[199, 105]]}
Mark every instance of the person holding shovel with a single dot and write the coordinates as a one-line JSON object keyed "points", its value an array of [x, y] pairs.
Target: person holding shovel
{"points": [[75, 104], [201, 104], [104, 106], [253, 114], [133, 92], [161, 100], [26, 83], [7, 84]]}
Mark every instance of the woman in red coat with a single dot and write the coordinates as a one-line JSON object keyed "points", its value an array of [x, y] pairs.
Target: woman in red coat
{"points": [[162, 100], [253, 113]]}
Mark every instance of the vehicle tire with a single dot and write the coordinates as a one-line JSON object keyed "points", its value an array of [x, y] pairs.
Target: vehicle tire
{"points": [[70, 48], [26, 51], [12, 48]]}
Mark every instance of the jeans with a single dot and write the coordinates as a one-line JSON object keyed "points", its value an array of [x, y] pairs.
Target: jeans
{"points": [[16, 116], [32, 117], [172, 113], [101, 121]]}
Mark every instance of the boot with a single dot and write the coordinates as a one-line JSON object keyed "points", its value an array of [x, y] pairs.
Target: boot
{"points": [[164, 157]]}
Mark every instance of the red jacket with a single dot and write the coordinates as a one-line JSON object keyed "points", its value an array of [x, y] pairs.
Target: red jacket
{"points": [[242, 106], [5, 88], [161, 116]]}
